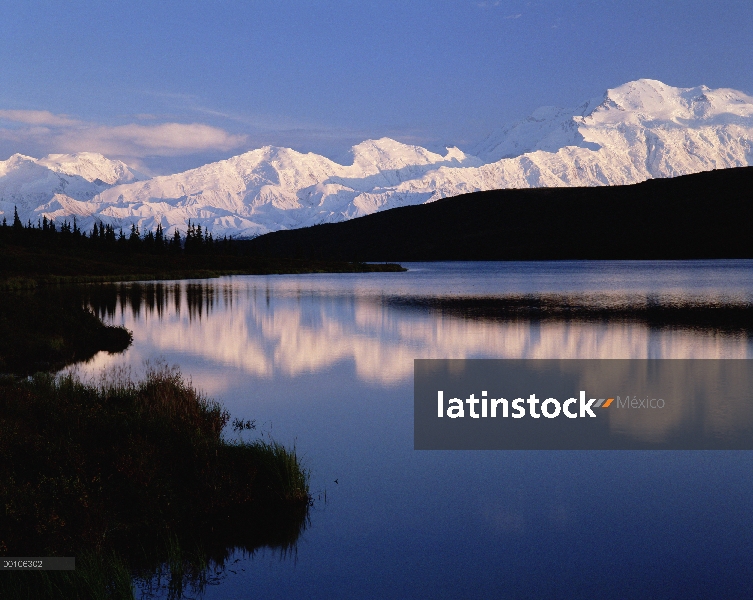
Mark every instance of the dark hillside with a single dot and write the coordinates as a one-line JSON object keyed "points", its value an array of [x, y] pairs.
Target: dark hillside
{"points": [[705, 215]]}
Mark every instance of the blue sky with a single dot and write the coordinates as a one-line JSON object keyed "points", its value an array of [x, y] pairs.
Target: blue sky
{"points": [[170, 85]]}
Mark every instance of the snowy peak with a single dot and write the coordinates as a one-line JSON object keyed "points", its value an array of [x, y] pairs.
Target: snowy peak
{"points": [[457, 155], [643, 96], [640, 103], [15, 162], [91, 166], [386, 154], [650, 100], [633, 132], [60, 185]]}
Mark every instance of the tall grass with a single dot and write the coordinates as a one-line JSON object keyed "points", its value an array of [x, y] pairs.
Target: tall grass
{"points": [[104, 576], [282, 470], [122, 471]]}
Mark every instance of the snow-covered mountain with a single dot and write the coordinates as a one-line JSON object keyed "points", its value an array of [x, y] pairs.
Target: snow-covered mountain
{"points": [[59, 185], [640, 130]]}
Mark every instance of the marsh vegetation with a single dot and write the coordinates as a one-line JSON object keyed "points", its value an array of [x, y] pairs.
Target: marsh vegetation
{"points": [[132, 477]]}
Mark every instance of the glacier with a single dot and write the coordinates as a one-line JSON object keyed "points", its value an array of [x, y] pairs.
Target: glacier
{"points": [[640, 130]]}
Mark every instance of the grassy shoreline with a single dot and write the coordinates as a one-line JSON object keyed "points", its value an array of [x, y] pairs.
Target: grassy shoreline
{"points": [[130, 470], [134, 478]]}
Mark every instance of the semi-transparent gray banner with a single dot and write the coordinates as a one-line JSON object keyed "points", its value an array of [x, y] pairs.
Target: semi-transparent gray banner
{"points": [[583, 404], [38, 563]]}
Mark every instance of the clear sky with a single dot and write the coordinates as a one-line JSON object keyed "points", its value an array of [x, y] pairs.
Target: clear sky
{"points": [[170, 84]]}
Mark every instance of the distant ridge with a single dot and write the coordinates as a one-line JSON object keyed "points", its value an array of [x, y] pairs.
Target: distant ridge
{"points": [[641, 130], [705, 215]]}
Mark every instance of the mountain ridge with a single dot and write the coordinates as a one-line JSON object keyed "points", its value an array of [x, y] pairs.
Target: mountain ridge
{"points": [[641, 130], [698, 216]]}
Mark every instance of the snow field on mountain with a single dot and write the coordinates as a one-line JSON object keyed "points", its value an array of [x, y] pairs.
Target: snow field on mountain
{"points": [[640, 130]]}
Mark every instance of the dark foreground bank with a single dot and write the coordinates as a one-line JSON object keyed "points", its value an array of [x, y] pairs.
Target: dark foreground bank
{"points": [[134, 479], [705, 215], [49, 328]]}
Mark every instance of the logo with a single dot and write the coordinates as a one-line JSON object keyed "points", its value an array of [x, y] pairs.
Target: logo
{"points": [[550, 408], [564, 404]]}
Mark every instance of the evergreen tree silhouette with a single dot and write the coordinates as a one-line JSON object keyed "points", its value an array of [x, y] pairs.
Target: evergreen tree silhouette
{"points": [[17, 225], [176, 243]]}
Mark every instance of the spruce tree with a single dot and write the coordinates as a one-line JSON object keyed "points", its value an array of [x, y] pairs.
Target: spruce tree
{"points": [[122, 240], [175, 246]]}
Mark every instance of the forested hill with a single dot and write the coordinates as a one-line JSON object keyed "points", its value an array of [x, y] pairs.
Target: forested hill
{"points": [[31, 255], [704, 215]]}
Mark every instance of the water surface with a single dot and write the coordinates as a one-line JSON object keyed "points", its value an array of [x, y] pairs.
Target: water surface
{"points": [[325, 362]]}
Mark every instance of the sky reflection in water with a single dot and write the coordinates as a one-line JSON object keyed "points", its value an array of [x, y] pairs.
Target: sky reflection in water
{"points": [[326, 362]]}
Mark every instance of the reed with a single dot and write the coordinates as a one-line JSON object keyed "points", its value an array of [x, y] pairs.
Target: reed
{"points": [[282, 470], [110, 469], [97, 577]]}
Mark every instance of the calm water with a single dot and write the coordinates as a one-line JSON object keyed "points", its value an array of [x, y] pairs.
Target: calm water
{"points": [[325, 362]]}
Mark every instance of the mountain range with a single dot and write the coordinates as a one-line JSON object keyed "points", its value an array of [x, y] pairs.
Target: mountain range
{"points": [[641, 130]]}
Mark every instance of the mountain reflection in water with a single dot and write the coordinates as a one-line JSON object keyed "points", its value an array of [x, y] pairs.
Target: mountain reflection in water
{"points": [[264, 328], [325, 362]]}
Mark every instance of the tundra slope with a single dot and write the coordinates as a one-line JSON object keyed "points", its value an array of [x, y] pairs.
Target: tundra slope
{"points": [[641, 130]]}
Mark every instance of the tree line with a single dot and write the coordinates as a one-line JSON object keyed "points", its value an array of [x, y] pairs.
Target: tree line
{"points": [[105, 238]]}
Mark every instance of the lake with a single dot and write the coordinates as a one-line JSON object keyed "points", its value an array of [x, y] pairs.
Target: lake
{"points": [[325, 363]]}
